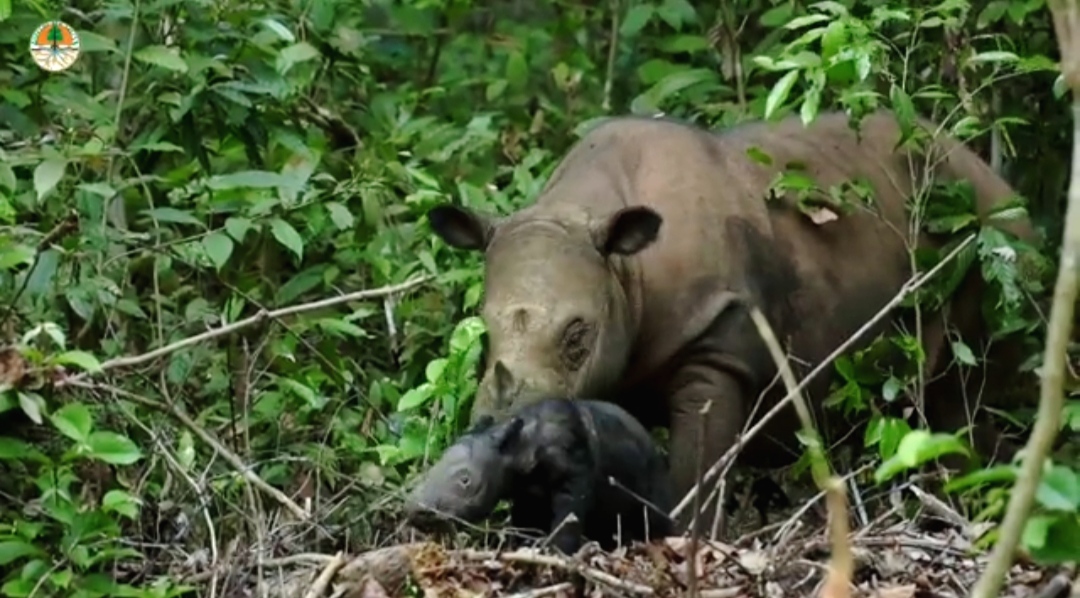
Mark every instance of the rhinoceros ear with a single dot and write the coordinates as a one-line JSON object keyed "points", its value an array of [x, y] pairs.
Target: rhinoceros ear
{"points": [[508, 437], [628, 231], [461, 227]]}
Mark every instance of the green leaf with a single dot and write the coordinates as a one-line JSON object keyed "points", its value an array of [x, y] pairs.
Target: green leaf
{"points": [[218, 247], [121, 502], [1059, 489], [32, 405], [47, 175], [415, 397], [804, 20], [5, 9], [13, 550], [288, 237], [963, 353], [112, 448], [811, 105], [253, 179], [40, 278], [74, 421], [993, 56], [435, 368], [340, 215], [174, 215], [779, 93], [295, 54], [517, 70], [891, 389], [166, 58], [237, 227], [280, 30], [636, 19], [81, 359]]}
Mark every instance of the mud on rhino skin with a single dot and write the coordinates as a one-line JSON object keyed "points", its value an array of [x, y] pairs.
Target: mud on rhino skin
{"points": [[617, 282], [551, 459]]}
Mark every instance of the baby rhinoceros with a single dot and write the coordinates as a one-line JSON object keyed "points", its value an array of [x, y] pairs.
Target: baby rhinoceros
{"points": [[553, 458]]}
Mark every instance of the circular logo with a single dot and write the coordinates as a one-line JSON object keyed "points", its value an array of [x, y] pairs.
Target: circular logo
{"points": [[54, 46]]}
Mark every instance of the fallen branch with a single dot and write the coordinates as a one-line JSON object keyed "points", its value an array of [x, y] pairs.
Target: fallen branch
{"points": [[318, 588], [909, 287], [535, 558], [1066, 17], [259, 317]]}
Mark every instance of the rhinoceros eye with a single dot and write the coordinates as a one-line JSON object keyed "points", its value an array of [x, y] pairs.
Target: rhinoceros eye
{"points": [[464, 481], [574, 344]]}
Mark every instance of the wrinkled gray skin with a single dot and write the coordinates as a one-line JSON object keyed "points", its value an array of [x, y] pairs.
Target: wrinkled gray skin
{"points": [[617, 282], [552, 459]]}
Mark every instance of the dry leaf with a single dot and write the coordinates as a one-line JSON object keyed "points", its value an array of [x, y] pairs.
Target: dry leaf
{"points": [[821, 215], [12, 367]]}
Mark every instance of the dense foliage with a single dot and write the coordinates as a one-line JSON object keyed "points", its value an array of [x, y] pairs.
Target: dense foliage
{"points": [[207, 162]]}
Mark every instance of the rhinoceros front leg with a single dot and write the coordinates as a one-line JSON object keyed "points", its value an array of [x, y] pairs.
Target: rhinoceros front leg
{"points": [[692, 387]]}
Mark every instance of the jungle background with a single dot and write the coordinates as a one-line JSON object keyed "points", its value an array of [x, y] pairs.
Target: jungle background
{"points": [[208, 162]]}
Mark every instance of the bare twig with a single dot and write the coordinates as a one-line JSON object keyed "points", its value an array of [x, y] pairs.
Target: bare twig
{"points": [[842, 563], [544, 591], [206, 437], [695, 531], [911, 286], [261, 316], [318, 587], [1066, 17], [535, 558]]}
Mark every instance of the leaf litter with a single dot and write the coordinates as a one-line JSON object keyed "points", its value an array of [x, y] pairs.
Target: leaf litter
{"points": [[927, 555]]}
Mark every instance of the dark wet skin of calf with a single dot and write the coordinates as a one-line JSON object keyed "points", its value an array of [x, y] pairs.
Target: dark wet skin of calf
{"points": [[554, 458]]}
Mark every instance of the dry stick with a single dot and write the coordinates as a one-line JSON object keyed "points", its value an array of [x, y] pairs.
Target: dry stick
{"points": [[535, 558], [545, 591], [909, 287], [1066, 16], [318, 587], [840, 565], [230, 457], [259, 317], [691, 563]]}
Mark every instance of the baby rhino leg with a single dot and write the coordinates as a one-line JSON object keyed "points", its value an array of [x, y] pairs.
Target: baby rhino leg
{"points": [[694, 435]]}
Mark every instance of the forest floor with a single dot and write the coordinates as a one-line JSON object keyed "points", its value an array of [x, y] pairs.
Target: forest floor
{"points": [[919, 549]]}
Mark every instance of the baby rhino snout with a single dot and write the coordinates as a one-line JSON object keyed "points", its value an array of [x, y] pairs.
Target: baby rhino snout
{"points": [[421, 515]]}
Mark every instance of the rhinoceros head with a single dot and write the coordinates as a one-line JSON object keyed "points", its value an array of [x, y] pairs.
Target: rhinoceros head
{"points": [[556, 300]]}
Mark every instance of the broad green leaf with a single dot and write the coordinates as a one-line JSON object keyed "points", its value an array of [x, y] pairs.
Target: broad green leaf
{"points": [[415, 397], [253, 179], [279, 29], [964, 353], [112, 448], [636, 19], [340, 215], [185, 452], [74, 421], [465, 334], [434, 370], [779, 93], [167, 214], [343, 327], [157, 146], [293, 54], [218, 247], [158, 55], [16, 255], [517, 70], [41, 277], [1004, 474], [11, 449], [804, 20], [5, 9], [47, 175], [288, 237], [237, 227], [82, 359], [121, 502], [13, 550], [33, 406], [1059, 489], [103, 189]]}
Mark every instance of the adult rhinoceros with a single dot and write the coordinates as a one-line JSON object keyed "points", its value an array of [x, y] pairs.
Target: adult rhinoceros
{"points": [[617, 282]]}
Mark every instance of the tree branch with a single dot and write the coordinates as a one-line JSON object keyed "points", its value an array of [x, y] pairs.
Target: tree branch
{"points": [[261, 316]]}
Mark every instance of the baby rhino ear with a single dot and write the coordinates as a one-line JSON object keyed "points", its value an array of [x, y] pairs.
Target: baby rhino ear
{"points": [[507, 438], [627, 231]]}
